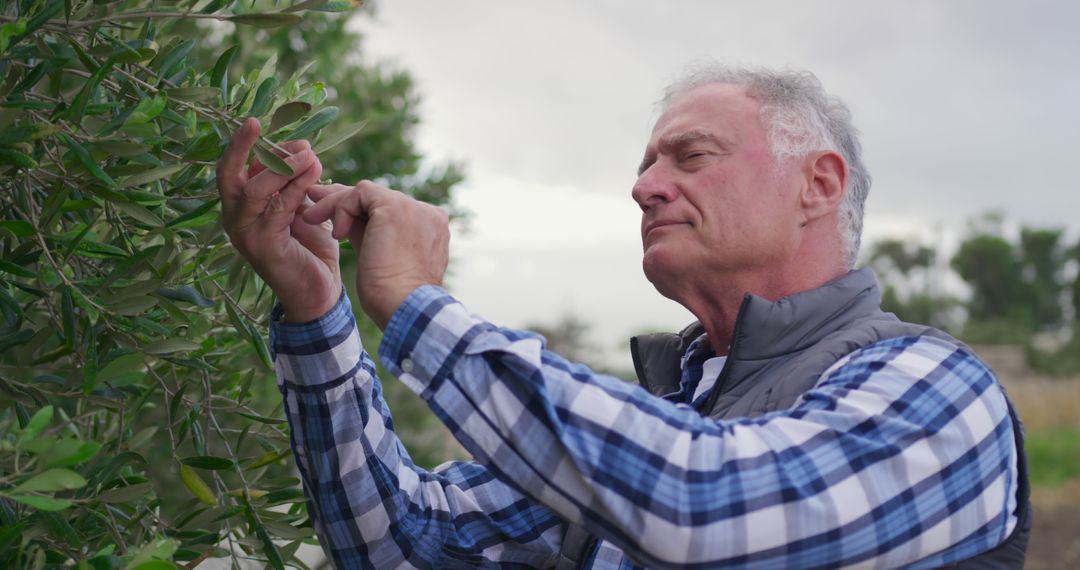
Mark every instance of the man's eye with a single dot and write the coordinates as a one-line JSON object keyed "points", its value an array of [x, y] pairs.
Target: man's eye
{"points": [[693, 155]]}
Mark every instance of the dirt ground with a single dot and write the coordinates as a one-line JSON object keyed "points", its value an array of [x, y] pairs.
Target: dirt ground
{"points": [[1055, 540]]}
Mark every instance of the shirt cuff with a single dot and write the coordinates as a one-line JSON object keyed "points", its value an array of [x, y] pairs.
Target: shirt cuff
{"points": [[319, 352], [425, 338]]}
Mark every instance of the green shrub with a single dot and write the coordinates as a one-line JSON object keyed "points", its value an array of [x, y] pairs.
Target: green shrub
{"points": [[1053, 456]]}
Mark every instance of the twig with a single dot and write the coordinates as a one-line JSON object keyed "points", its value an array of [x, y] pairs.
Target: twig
{"points": [[65, 24]]}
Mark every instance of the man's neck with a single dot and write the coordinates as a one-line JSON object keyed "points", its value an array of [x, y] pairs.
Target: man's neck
{"points": [[718, 307]]}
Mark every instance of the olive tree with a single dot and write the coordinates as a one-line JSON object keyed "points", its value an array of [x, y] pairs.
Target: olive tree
{"points": [[139, 421]]}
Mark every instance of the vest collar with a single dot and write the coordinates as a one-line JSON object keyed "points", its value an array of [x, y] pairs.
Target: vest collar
{"points": [[763, 329], [766, 329]]}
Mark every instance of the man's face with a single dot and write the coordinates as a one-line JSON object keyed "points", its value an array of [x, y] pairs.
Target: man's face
{"points": [[713, 202]]}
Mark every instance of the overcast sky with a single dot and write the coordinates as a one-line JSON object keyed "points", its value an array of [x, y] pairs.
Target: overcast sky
{"points": [[965, 107]]}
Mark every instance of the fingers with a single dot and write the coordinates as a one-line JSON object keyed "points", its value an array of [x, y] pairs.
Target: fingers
{"points": [[260, 191], [333, 204], [357, 201], [230, 169], [319, 191], [292, 147], [283, 205]]}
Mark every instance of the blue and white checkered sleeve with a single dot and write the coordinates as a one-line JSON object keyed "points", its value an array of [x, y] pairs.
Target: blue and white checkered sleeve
{"points": [[902, 455], [373, 507]]}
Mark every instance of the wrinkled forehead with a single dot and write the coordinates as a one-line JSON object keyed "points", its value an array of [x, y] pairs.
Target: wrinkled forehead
{"points": [[722, 109]]}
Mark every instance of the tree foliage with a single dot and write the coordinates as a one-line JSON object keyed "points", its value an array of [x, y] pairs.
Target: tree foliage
{"points": [[139, 426], [1018, 287], [907, 271], [1025, 289]]}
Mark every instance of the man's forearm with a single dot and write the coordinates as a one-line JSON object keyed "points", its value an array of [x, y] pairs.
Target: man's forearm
{"points": [[374, 508]]}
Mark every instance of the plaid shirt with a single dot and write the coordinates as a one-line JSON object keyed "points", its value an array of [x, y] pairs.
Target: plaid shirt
{"points": [[902, 455]]}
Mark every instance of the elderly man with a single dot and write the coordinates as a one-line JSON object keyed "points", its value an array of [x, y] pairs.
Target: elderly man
{"points": [[795, 425]]}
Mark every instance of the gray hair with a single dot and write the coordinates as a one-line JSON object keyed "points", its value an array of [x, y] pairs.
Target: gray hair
{"points": [[799, 117]]}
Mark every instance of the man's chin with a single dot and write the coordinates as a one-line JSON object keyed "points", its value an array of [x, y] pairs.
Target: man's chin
{"points": [[661, 265]]}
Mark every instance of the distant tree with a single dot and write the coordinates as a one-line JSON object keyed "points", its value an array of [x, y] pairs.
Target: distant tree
{"points": [[992, 268], [1043, 262], [906, 271], [1074, 257]]}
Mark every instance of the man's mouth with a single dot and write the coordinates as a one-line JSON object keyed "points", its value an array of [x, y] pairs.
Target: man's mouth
{"points": [[659, 224]]}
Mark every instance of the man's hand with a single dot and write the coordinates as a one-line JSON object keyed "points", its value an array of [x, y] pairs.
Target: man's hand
{"points": [[260, 212], [400, 243]]}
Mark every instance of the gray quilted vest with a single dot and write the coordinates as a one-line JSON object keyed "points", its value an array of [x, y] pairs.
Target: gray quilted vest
{"points": [[778, 352]]}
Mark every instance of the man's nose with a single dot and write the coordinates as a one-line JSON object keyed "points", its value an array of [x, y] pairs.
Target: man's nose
{"points": [[653, 187]]}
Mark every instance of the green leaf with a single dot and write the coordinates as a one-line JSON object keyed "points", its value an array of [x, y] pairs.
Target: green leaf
{"points": [[132, 306], [144, 435], [82, 452], [286, 531], [40, 19], [185, 294], [263, 97], [268, 458], [157, 550], [206, 147], [10, 30], [147, 109], [156, 564], [197, 486], [41, 503], [263, 419], [16, 158], [273, 161], [78, 105], [141, 130], [208, 462], [86, 160], [288, 114], [37, 423], [273, 20], [220, 75], [122, 149], [123, 365], [27, 133], [262, 350], [305, 5], [169, 346], [147, 176], [188, 219], [166, 63], [313, 123], [20, 228], [67, 310], [140, 213], [7, 267], [340, 5], [51, 480], [192, 94], [100, 250], [346, 134], [269, 548], [125, 494], [291, 495], [135, 51]]}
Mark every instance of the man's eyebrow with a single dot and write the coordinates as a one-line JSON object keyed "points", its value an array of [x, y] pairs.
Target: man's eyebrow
{"points": [[692, 136], [678, 140]]}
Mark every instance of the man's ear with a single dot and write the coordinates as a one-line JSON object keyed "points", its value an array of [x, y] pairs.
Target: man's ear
{"points": [[826, 177]]}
